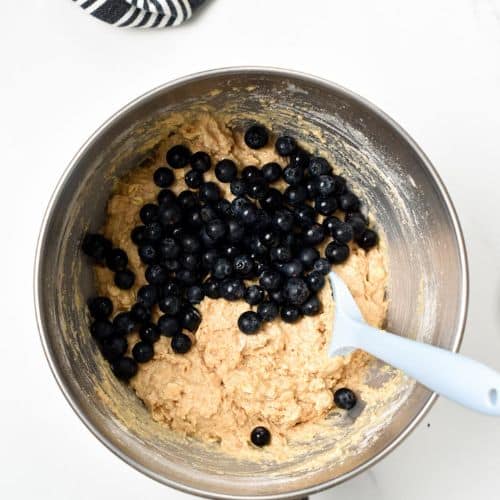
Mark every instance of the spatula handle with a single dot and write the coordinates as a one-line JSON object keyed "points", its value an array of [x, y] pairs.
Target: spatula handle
{"points": [[451, 375]]}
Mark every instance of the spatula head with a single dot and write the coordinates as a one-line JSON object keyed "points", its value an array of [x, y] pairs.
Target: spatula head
{"points": [[346, 313]]}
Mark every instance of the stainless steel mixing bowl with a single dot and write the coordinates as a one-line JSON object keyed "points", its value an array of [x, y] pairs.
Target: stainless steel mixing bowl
{"points": [[427, 286]]}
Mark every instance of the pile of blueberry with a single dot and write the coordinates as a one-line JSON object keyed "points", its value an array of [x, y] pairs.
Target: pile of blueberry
{"points": [[261, 247]]}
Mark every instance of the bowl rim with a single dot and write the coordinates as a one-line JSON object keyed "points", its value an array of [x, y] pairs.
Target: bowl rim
{"points": [[231, 70]]}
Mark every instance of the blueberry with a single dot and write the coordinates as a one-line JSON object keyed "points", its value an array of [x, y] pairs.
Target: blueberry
{"points": [[170, 215], [140, 313], [137, 235], [193, 179], [248, 214], [209, 192], [211, 288], [181, 343], [223, 206], [272, 201], [259, 266], [281, 254], [101, 329], [271, 172], [156, 274], [114, 347], [190, 318], [318, 166], [277, 296], [283, 219], [96, 246], [170, 304], [322, 266], [143, 351], [342, 232], [195, 294], [293, 269], [200, 161], [268, 310], [315, 281], [153, 231], [171, 288], [336, 253], [289, 314], [249, 322], [260, 436], [124, 368], [285, 145], [235, 231], [311, 185], [330, 223], [216, 229], [208, 213], [187, 200], [299, 158], [163, 177], [344, 398], [100, 307], [238, 205], [190, 243], [178, 156], [149, 333], [340, 184], [293, 175], [148, 253], [149, 213], [226, 171], [368, 239], [123, 323], [295, 195], [169, 325], [348, 202], [357, 222], [304, 215], [166, 197], [270, 280], [169, 248], [325, 206], [190, 261], [205, 240], [257, 189], [254, 295], [222, 268], [186, 277], [147, 295], [238, 187], [314, 234], [308, 256], [326, 185], [232, 289], [171, 265], [124, 279], [243, 265], [251, 173], [256, 137], [311, 306], [296, 291], [209, 257], [270, 238]]}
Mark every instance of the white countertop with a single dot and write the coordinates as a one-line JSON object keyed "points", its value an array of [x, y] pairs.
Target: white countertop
{"points": [[433, 66]]}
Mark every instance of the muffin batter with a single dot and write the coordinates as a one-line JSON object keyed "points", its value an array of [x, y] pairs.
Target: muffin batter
{"points": [[229, 382]]}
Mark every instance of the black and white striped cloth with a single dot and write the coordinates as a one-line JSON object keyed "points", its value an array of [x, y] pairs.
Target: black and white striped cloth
{"points": [[141, 13]]}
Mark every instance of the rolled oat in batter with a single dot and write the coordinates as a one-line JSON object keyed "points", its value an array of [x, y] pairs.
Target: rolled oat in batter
{"points": [[229, 382]]}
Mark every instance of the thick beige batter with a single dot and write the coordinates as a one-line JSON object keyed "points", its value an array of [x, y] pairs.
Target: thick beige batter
{"points": [[230, 382]]}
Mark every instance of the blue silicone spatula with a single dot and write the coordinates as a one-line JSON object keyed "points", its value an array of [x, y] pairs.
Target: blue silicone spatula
{"points": [[451, 375]]}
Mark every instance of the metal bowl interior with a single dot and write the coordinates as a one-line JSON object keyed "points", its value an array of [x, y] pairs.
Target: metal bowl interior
{"points": [[427, 287]]}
